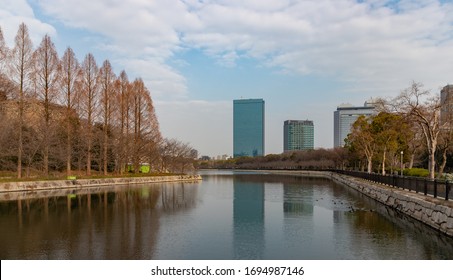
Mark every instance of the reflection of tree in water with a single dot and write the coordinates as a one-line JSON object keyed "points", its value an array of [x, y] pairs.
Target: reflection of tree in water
{"points": [[110, 223], [177, 197]]}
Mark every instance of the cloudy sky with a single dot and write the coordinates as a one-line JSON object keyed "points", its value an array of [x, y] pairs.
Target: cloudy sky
{"points": [[304, 58]]}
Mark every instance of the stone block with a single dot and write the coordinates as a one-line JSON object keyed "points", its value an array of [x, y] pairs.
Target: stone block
{"points": [[442, 217], [449, 223]]}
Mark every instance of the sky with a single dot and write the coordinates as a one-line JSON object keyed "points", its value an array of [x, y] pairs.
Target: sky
{"points": [[304, 58]]}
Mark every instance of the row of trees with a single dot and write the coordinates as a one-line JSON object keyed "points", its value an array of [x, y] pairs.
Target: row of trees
{"points": [[406, 128], [309, 159], [58, 113]]}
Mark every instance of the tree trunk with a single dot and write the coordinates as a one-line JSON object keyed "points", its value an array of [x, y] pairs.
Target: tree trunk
{"points": [[370, 165], [411, 162], [105, 151], [443, 164], [89, 156], [432, 160], [383, 162], [431, 166], [68, 150]]}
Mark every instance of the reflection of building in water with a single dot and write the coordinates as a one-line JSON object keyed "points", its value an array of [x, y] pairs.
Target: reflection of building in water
{"points": [[293, 200], [248, 219]]}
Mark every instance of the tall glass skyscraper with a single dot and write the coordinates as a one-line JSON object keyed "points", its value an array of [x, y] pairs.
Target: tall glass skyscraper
{"points": [[248, 127], [298, 135]]}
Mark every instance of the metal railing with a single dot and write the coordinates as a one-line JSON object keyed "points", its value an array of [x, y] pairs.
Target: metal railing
{"points": [[437, 188]]}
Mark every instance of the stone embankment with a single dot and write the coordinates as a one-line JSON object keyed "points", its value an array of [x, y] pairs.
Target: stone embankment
{"points": [[86, 183], [435, 212]]}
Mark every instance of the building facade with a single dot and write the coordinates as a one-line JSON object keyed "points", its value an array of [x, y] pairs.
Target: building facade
{"points": [[248, 127], [345, 116], [446, 101], [298, 135]]}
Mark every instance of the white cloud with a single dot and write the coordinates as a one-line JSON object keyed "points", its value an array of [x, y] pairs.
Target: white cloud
{"points": [[15, 12], [372, 41], [373, 47]]}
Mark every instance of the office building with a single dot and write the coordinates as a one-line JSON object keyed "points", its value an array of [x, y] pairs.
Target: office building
{"points": [[248, 127], [298, 135], [345, 116], [446, 109]]}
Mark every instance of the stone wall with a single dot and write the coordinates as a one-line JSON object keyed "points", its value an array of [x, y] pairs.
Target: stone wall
{"points": [[84, 183], [434, 212]]}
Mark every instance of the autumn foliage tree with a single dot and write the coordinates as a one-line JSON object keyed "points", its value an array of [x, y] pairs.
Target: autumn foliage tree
{"points": [[70, 75], [47, 67], [108, 92], [20, 67], [58, 114]]}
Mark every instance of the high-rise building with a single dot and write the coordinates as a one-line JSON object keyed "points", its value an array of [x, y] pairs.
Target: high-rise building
{"points": [[248, 127], [298, 135], [446, 109], [345, 116]]}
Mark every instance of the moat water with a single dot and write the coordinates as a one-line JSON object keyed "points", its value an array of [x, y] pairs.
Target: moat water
{"points": [[228, 215]]}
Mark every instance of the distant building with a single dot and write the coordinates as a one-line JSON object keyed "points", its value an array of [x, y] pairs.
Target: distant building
{"points": [[446, 109], [298, 135], [248, 127], [345, 116]]}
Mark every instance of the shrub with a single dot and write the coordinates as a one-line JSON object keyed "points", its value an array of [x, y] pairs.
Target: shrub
{"points": [[416, 172]]}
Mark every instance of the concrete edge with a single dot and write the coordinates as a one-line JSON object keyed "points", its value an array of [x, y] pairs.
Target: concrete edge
{"points": [[86, 183]]}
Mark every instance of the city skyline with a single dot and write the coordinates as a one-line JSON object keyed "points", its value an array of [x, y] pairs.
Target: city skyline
{"points": [[302, 57]]}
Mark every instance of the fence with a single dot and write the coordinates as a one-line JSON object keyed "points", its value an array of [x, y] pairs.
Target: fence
{"points": [[434, 187]]}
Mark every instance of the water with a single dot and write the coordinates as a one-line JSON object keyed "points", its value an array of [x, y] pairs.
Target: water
{"points": [[226, 216]]}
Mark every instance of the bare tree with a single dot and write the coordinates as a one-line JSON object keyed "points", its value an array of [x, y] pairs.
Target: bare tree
{"points": [[4, 53], [146, 135], [20, 67], [123, 96], [177, 156], [47, 67], [106, 79], [444, 146], [90, 86], [420, 107], [414, 139], [70, 75], [138, 93], [6, 86]]}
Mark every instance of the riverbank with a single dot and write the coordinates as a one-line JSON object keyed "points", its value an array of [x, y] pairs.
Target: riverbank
{"points": [[434, 212], [86, 183]]}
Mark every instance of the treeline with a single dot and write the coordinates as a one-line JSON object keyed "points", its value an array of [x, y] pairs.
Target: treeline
{"points": [[57, 114], [310, 159]]}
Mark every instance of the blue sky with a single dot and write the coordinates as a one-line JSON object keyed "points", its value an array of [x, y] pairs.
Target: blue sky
{"points": [[304, 58]]}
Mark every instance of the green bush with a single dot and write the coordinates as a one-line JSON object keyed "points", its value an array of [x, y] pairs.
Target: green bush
{"points": [[416, 172]]}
